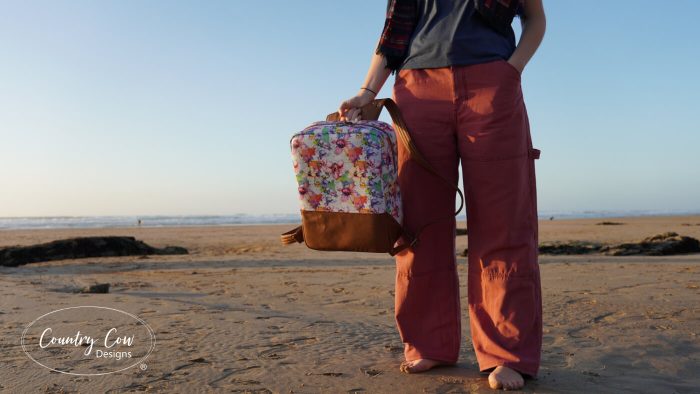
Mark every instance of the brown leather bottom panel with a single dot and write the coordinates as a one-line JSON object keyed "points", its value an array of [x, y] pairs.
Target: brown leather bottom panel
{"points": [[350, 231]]}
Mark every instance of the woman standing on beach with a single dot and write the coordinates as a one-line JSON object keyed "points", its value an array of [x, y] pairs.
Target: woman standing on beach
{"points": [[457, 83]]}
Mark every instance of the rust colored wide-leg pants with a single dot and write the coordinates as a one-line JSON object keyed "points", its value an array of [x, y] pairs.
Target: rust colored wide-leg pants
{"points": [[476, 114]]}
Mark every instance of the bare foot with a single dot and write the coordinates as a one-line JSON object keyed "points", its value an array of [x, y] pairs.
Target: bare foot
{"points": [[419, 365], [506, 378]]}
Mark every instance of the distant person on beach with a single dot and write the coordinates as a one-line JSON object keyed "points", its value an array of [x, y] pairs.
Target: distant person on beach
{"points": [[139, 222], [458, 85]]}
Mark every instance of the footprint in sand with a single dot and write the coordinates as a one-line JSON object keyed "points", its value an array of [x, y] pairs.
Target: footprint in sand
{"points": [[274, 352], [582, 339], [370, 372]]}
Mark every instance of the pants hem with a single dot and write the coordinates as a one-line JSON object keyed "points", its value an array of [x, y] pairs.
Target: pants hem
{"points": [[417, 355]]}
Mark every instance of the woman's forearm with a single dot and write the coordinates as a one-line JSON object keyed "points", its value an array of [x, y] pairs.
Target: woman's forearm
{"points": [[377, 74], [533, 28]]}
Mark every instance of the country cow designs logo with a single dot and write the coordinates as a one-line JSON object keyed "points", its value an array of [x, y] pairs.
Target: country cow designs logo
{"points": [[88, 340]]}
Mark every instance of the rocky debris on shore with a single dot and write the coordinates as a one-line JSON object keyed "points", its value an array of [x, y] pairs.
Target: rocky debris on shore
{"points": [[570, 247], [80, 247], [658, 245], [100, 288], [668, 243]]}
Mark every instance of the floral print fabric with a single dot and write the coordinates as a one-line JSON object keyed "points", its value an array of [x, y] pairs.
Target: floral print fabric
{"points": [[348, 167]]}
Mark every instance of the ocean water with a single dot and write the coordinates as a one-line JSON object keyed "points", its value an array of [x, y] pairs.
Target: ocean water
{"points": [[49, 222], [37, 222]]}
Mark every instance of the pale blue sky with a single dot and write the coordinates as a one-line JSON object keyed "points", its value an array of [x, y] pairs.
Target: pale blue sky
{"points": [[174, 107]]}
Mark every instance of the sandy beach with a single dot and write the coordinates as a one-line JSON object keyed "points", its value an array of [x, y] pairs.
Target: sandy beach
{"points": [[244, 313]]}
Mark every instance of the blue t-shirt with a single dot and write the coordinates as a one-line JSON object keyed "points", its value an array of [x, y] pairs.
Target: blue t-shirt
{"points": [[451, 32]]}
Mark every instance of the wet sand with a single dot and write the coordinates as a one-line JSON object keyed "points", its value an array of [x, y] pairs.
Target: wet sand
{"points": [[244, 313]]}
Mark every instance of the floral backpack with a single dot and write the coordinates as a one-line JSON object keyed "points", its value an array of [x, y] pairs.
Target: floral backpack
{"points": [[347, 176]]}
